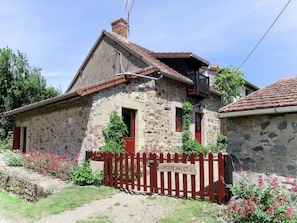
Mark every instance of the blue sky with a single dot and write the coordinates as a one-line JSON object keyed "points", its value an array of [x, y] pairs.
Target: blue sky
{"points": [[57, 35]]}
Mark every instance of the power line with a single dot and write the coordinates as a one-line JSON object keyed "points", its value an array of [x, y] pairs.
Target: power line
{"points": [[264, 35]]}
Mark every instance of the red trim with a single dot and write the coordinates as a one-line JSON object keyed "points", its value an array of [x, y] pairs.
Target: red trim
{"points": [[178, 120], [16, 138]]}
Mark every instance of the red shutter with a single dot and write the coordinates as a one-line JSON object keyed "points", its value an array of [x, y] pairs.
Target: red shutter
{"points": [[16, 138], [24, 139]]}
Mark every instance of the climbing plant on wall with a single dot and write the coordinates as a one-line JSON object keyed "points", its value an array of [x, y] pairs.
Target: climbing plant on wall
{"points": [[189, 145], [187, 119]]}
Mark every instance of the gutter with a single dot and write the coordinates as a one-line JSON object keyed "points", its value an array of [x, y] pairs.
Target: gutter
{"points": [[267, 111]]}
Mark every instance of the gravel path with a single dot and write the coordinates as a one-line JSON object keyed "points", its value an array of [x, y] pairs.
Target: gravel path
{"points": [[121, 207]]}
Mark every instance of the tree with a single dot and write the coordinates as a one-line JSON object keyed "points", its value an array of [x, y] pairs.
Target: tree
{"points": [[20, 84], [229, 81]]}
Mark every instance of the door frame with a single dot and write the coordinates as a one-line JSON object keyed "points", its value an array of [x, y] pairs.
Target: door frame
{"points": [[198, 134], [130, 140]]}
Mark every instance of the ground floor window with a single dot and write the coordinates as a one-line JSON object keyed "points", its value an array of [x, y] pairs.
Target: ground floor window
{"points": [[178, 120]]}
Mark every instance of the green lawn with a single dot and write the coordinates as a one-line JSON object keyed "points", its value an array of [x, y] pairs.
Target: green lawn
{"points": [[14, 208]]}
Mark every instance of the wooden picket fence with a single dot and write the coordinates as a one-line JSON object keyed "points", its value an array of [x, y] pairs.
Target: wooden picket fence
{"points": [[169, 174]]}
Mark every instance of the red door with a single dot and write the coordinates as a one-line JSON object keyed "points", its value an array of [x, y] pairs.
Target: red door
{"points": [[129, 119], [198, 119]]}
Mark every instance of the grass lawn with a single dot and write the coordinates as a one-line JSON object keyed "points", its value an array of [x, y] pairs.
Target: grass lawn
{"points": [[14, 208]]}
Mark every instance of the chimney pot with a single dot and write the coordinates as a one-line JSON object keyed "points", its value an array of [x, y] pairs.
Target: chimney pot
{"points": [[120, 26]]}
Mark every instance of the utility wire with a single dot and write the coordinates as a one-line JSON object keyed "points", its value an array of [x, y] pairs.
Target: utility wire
{"points": [[264, 35]]}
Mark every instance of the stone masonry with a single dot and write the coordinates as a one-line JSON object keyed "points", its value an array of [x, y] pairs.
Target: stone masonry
{"points": [[264, 143], [77, 125]]}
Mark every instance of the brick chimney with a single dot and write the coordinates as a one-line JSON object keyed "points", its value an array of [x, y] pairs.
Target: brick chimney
{"points": [[120, 26]]}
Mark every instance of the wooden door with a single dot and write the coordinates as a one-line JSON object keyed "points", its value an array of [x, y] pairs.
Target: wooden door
{"points": [[129, 119], [16, 138], [198, 132]]}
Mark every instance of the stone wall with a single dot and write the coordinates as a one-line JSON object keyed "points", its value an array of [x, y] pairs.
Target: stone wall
{"points": [[154, 103], [264, 143], [77, 126], [20, 186], [60, 127], [105, 62]]}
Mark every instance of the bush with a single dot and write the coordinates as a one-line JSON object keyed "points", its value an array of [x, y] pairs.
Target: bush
{"points": [[222, 142], [115, 132], [48, 163], [112, 147], [186, 135], [193, 146], [83, 175], [6, 144], [99, 178], [266, 200], [12, 158]]}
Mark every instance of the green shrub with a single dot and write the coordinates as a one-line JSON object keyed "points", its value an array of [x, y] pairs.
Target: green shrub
{"points": [[12, 158], [192, 146], [222, 142], [115, 132], [186, 135], [83, 175], [6, 144], [112, 147], [98, 178]]}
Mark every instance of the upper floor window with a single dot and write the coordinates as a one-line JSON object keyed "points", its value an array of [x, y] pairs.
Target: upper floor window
{"points": [[178, 120]]}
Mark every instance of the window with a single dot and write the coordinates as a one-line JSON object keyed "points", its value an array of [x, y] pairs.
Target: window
{"points": [[178, 120]]}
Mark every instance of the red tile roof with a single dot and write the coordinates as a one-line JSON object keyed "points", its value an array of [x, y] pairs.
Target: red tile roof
{"points": [[80, 92], [278, 95]]}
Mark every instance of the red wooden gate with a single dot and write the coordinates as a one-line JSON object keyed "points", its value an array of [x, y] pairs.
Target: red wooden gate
{"points": [[141, 172]]}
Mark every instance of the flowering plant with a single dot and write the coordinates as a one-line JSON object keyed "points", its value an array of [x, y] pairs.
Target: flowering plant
{"points": [[153, 148], [266, 200], [48, 163]]}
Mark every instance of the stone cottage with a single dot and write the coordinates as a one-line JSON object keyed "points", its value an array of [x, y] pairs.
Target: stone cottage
{"points": [[262, 129], [147, 88]]}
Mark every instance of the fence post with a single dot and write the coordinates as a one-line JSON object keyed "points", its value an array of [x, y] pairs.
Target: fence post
{"points": [[201, 179], [221, 194], [106, 161], [153, 173], [228, 174], [88, 155], [193, 178], [211, 177], [185, 181]]}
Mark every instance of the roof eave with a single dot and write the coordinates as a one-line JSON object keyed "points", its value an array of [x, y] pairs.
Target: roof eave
{"points": [[189, 81], [267, 111], [39, 104], [200, 59]]}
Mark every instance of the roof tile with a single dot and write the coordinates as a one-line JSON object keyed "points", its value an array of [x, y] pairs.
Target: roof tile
{"points": [[283, 93], [148, 56]]}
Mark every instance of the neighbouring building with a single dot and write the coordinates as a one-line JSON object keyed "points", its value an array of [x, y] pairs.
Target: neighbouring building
{"points": [[147, 88], [262, 129]]}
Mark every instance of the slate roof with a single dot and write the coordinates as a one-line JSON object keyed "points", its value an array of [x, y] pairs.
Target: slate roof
{"points": [[281, 94]]}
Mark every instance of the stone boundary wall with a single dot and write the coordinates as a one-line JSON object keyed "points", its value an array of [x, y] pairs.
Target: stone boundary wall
{"points": [[18, 185], [264, 144]]}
